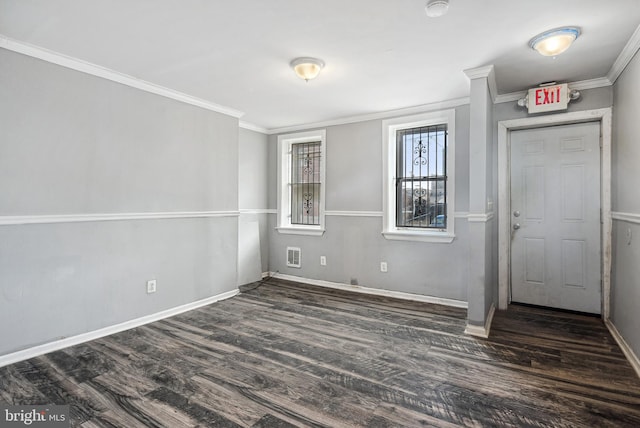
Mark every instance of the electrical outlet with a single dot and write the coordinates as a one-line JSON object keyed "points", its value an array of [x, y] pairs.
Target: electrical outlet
{"points": [[151, 286], [383, 266], [323, 260]]}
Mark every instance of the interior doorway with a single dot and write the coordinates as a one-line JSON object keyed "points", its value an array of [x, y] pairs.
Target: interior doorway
{"points": [[555, 217], [506, 131]]}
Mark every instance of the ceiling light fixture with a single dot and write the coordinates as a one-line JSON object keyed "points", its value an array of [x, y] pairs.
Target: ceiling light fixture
{"points": [[554, 42], [307, 68], [436, 8]]}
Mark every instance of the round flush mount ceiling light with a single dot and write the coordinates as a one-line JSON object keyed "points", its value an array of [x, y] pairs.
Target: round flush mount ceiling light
{"points": [[436, 8], [554, 42], [307, 68]]}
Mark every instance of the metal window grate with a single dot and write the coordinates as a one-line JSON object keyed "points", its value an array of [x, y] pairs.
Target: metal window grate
{"points": [[421, 177], [305, 183]]}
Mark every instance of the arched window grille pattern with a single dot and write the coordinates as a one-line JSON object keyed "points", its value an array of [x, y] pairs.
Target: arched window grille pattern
{"points": [[305, 183], [421, 177]]}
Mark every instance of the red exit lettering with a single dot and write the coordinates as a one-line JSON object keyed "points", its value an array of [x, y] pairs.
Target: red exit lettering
{"points": [[547, 96]]}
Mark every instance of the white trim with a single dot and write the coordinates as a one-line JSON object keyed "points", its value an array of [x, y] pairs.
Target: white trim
{"points": [[257, 211], [375, 291], [251, 127], [336, 213], [604, 116], [35, 351], [419, 236], [485, 72], [83, 218], [625, 57], [426, 108], [480, 218], [291, 230], [510, 97], [283, 218], [581, 85], [389, 153], [624, 346], [354, 213], [479, 72], [482, 331], [112, 75], [628, 217]]}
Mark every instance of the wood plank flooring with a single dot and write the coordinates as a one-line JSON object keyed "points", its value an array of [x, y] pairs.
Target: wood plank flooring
{"points": [[287, 354]]}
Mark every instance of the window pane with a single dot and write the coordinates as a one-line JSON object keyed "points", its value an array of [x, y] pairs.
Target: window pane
{"points": [[305, 183], [421, 196]]}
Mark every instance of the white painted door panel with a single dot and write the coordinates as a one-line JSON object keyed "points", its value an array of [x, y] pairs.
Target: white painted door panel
{"points": [[555, 218]]}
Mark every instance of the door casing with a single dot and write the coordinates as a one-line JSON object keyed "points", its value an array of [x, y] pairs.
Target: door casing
{"points": [[604, 117]]}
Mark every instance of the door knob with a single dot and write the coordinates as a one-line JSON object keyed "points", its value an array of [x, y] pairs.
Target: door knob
{"points": [[516, 226], [516, 213]]}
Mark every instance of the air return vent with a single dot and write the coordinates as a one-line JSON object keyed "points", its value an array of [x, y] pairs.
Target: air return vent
{"points": [[293, 257]]}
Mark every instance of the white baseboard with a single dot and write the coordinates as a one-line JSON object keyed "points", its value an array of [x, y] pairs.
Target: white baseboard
{"points": [[482, 331], [374, 291], [626, 349], [36, 351]]}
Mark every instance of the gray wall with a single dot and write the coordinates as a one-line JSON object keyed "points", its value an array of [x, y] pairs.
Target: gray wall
{"points": [[354, 246], [625, 281], [253, 194], [71, 143]]}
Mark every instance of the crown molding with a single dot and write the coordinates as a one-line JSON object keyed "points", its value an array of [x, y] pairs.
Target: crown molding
{"points": [[580, 85], [108, 74], [251, 127], [479, 72], [485, 72], [510, 97], [375, 116], [625, 57]]}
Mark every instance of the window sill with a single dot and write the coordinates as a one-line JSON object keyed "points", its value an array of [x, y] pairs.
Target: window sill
{"points": [[290, 230], [407, 235]]}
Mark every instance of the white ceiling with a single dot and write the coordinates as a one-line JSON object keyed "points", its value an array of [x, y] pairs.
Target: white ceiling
{"points": [[380, 54]]}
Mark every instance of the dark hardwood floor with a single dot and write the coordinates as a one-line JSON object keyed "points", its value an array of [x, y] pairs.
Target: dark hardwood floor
{"points": [[287, 354]]}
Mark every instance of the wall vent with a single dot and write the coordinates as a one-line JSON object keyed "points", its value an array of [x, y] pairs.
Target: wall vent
{"points": [[293, 257]]}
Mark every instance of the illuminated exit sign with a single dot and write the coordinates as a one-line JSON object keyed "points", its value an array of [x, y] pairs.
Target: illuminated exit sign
{"points": [[548, 98]]}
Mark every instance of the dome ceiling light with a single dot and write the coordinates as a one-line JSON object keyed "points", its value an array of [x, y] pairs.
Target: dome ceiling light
{"points": [[554, 42], [307, 68]]}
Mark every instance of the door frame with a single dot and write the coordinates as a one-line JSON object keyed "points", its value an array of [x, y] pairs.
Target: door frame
{"points": [[505, 127]]}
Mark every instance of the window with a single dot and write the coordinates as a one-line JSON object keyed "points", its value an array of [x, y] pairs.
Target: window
{"points": [[418, 182], [301, 176]]}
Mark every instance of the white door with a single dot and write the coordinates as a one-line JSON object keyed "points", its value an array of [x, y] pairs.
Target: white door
{"points": [[555, 217]]}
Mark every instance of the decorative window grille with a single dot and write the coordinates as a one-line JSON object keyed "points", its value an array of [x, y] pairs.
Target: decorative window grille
{"points": [[421, 177], [305, 183]]}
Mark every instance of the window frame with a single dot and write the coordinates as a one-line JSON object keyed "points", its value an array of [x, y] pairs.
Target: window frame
{"points": [[285, 141], [389, 158]]}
